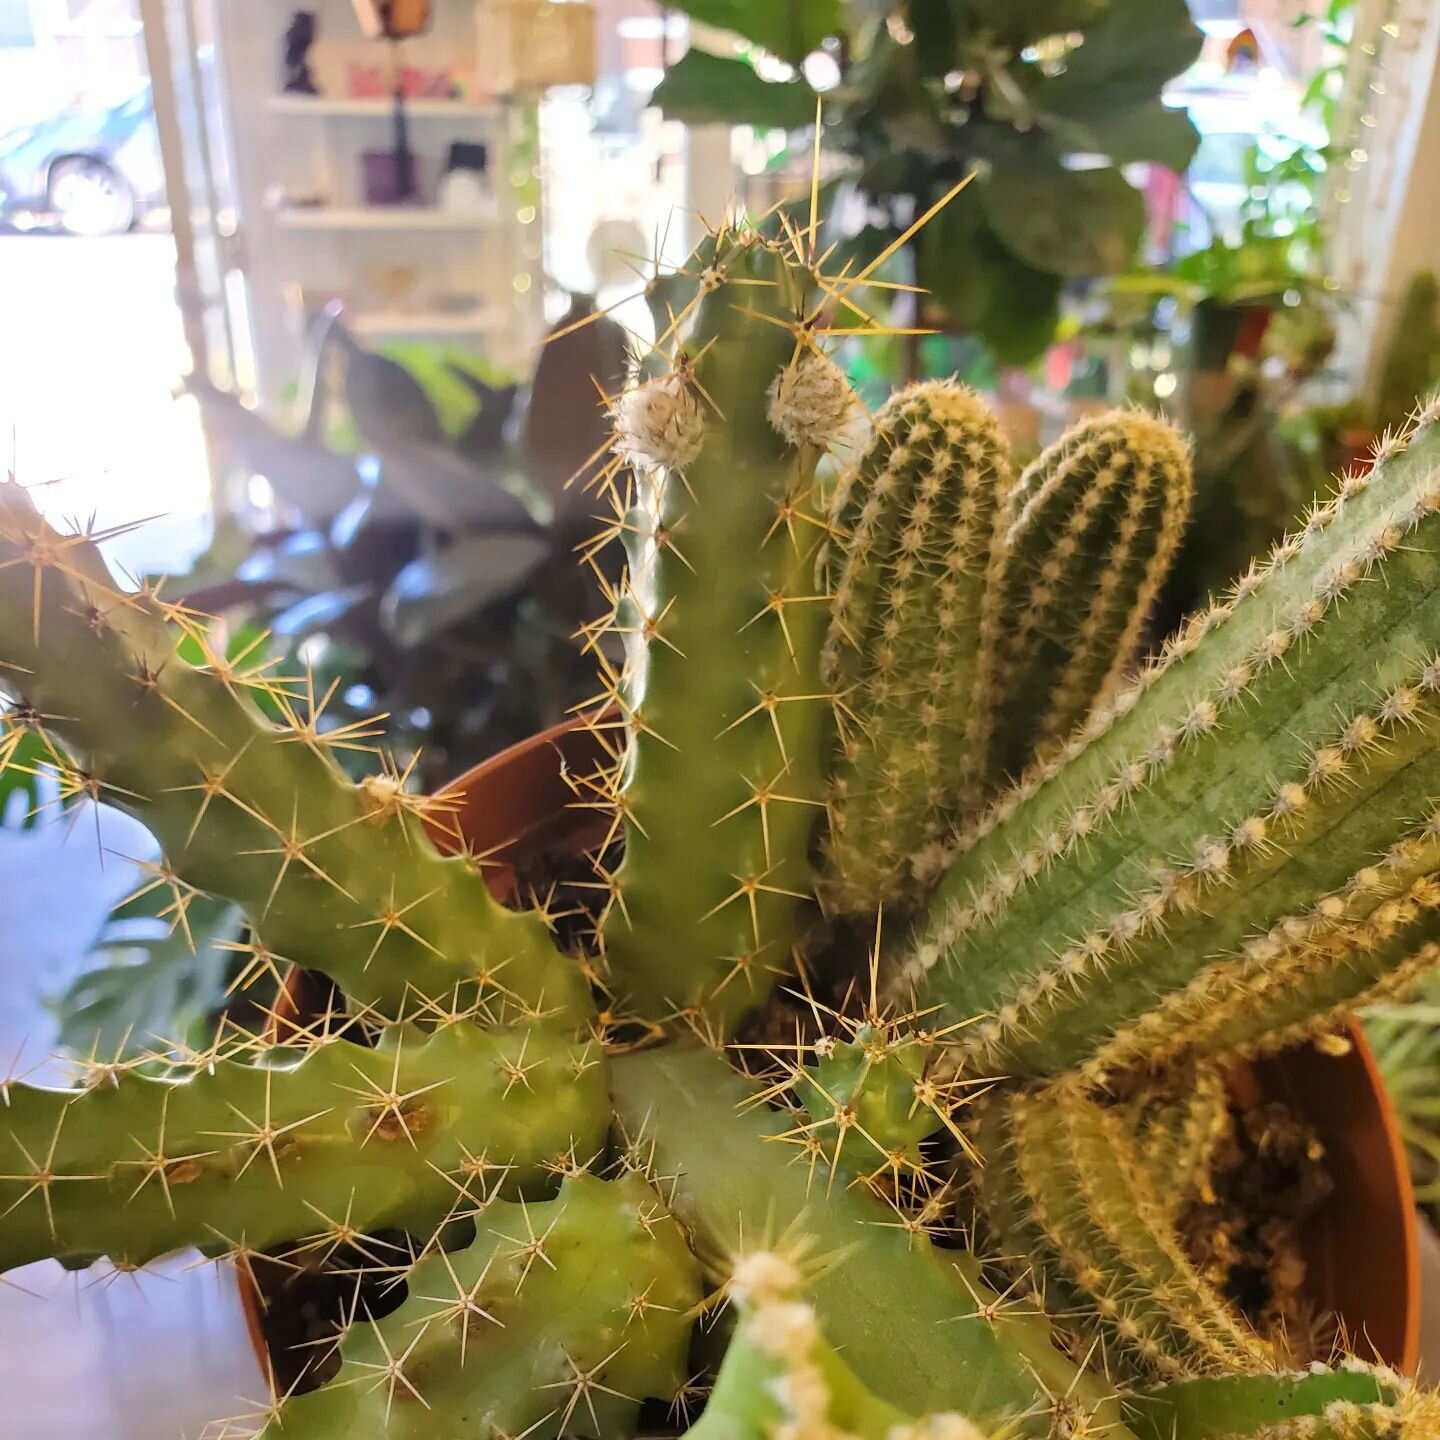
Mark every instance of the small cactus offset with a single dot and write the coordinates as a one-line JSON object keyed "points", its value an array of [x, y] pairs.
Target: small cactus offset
{"points": [[702, 1147]]}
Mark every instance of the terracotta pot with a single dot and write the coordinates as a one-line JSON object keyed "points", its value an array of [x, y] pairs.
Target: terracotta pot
{"points": [[1361, 1246]]}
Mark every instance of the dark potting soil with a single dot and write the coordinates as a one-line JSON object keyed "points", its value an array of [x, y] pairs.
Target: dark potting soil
{"points": [[1267, 1178]]}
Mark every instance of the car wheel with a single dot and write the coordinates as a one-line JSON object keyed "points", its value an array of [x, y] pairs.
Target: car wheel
{"points": [[90, 197]]}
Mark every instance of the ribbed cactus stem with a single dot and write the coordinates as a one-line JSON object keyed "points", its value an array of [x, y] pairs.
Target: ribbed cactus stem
{"points": [[315, 1142], [913, 567], [1262, 773], [871, 1273], [1351, 1402], [1112, 1235], [333, 876], [721, 784], [558, 1319], [1097, 520]]}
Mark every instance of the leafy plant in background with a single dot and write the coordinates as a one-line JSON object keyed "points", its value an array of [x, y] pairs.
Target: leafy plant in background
{"points": [[1044, 99], [440, 586], [911, 702]]}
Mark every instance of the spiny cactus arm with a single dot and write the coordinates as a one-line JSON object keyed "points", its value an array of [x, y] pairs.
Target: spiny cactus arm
{"points": [[1097, 520], [915, 1323], [298, 1144], [780, 1377], [721, 785], [1352, 1402], [1176, 1138], [913, 567], [1109, 1233], [1286, 739], [332, 876], [558, 1319]]}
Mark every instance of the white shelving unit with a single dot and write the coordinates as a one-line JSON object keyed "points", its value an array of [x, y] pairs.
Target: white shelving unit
{"points": [[307, 235]]}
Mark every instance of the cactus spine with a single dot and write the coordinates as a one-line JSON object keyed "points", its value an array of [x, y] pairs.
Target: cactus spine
{"points": [[913, 570], [1223, 855]]}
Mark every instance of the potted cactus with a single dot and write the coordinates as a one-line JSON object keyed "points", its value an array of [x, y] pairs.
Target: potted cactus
{"points": [[912, 902]]}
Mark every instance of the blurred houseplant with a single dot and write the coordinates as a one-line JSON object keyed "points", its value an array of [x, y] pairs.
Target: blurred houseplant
{"points": [[1045, 100]]}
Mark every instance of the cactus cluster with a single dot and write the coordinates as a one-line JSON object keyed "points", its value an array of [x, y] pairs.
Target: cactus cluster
{"points": [[861, 1100]]}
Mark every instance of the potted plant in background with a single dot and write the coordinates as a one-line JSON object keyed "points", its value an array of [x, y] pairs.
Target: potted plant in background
{"points": [[1043, 905], [1045, 103]]}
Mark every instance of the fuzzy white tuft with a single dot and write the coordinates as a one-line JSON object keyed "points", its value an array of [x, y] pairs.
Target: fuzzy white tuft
{"points": [[811, 402], [659, 423]]}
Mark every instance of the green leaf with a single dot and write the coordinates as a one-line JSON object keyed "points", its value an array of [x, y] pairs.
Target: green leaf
{"points": [[1150, 131], [705, 89], [1023, 311], [22, 784], [1065, 222], [145, 984], [1126, 58], [790, 29]]}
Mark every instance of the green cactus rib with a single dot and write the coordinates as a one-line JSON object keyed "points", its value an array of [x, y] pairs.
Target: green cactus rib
{"points": [[558, 1319], [1257, 773], [913, 568], [733, 1187], [781, 1377], [721, 785], [1097, 521], [334, 877], [1109, 1231], [336, 1139], [1177, 1136], [1352, 1402]]}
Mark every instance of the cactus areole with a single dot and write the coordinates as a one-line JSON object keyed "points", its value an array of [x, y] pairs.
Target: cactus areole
{"points": [[864, 1082]]}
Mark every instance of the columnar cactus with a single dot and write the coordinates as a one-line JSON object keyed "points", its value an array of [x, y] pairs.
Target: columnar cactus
{"points": [[931, 1174]]}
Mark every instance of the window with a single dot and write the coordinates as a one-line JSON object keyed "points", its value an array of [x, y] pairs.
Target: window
{"points": [[17, 27]]}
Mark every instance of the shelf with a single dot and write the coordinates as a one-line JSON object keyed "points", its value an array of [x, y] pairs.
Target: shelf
{"points": [[379, 217], [320, 105], [424, 322]]}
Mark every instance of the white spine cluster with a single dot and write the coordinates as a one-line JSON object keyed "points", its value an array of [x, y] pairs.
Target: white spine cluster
{"points": [[659, 423], [811, 402]]}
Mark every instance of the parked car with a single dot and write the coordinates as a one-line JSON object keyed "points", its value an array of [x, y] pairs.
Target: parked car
{"points": [[91, 170]]}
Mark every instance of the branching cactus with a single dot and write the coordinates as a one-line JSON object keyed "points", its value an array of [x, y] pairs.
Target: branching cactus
{"points": [[868, 1101]]}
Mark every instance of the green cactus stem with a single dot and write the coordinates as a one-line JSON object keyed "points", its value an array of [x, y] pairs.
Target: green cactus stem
{"points": [[914, 570], [1078, 1195], [871, 1274], [781, 1377], [332, 876], [1097, 521], [1352, 1402], [1268, 777], [721, 784], [315, 1142], [558, 1319]]}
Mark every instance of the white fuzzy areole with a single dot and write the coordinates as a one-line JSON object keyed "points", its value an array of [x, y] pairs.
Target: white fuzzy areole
{"points": [[811, 401], [659, 423]]}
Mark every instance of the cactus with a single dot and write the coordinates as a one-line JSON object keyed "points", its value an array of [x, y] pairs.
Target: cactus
{"points": [[1097, 520], [541, 1136], [912, 634]]}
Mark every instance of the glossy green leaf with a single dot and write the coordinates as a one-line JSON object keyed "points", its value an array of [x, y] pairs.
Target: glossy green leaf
{"points": [[1150, 131], [1065, 222], [1126, 57], [790, 29], [704, 89]]}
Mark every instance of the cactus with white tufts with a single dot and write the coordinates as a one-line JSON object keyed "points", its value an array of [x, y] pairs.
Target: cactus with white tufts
{"points": [[868, 1095]]}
